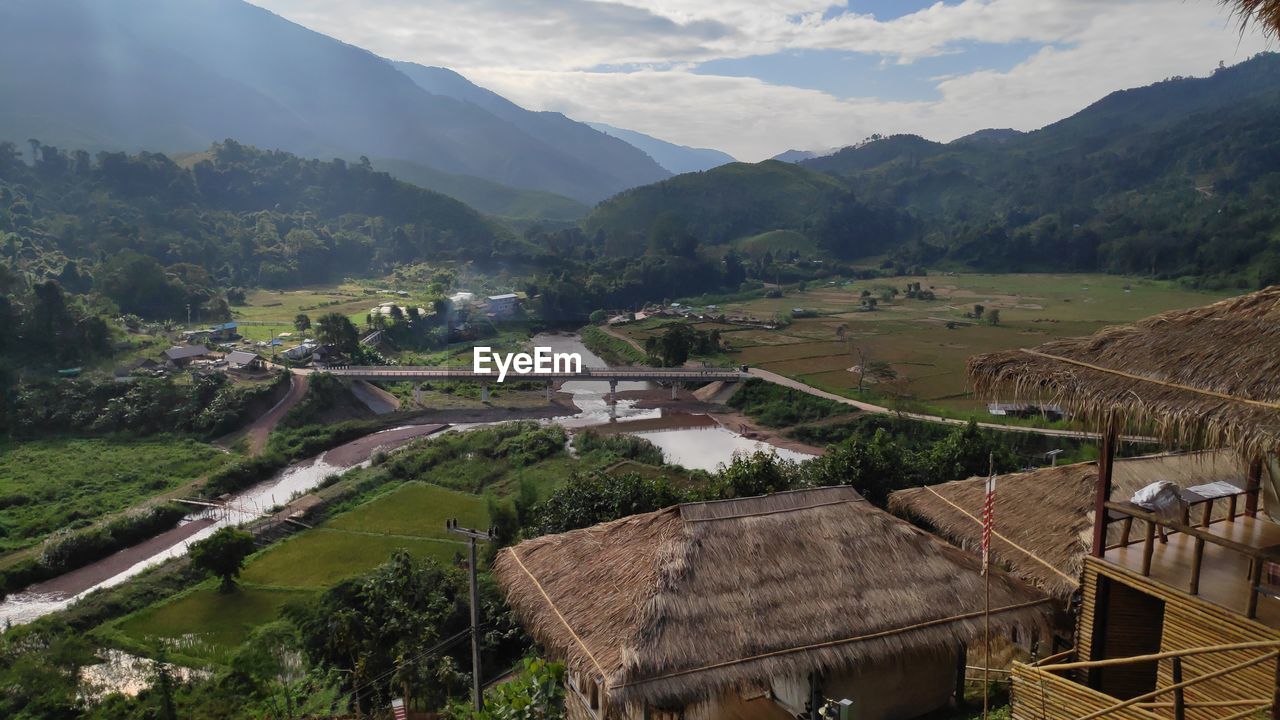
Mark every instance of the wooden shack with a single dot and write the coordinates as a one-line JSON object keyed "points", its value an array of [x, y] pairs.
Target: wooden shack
{"points": [[763, 607], [1178, 615]]}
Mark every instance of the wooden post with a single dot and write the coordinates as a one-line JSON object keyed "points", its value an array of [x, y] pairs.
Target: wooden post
{"points": [[1253, 488], [1255, 579], [1148, 547], [1127, 526], [1275, 699], [1206, 518], [1179, 700], [1196, 559], [1102, 491], [962, 660]]}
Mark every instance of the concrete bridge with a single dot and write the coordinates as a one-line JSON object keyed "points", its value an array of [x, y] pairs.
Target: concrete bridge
{"points": [[611, 375]]}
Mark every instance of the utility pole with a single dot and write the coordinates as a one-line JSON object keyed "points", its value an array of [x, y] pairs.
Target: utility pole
{"points": [[472, 536], [188, 316]]}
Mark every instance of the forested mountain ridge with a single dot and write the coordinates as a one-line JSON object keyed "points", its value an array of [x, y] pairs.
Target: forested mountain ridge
{"points": [[169, 77], [1176, 179], [151, 235], [739, 200]]}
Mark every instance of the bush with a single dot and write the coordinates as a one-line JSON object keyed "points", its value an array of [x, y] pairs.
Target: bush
{"points": [[619, 445]]}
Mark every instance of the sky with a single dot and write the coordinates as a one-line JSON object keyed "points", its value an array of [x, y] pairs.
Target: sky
{"points": [[756, 77]]}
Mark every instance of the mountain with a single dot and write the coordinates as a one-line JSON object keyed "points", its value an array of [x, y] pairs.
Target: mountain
{"points": [[617, 163], [737, 204], [175, 77], [677, 159], [994, 136], [794, 156], [1176, 179], [487, 196]]}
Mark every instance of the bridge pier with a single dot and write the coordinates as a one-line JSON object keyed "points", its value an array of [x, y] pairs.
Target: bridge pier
{"points": [[548, 391], [484, 392], [675, 388], [613, 392]]}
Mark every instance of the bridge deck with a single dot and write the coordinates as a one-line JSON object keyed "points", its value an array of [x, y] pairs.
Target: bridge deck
{"points": [[605, 374]]}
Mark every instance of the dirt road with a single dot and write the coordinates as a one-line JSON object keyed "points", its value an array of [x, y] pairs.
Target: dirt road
{"points": [[259, 430]]}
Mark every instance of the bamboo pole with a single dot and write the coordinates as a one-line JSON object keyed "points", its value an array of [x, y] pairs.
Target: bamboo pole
{"points": [[1251, 702], [1160, 691], [1245, 713], [1252, 645], [1253, 488]]}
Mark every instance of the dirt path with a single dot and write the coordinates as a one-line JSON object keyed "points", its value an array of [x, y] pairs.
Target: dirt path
{"points": [[610, 331], [259, 430], [784, 381]]}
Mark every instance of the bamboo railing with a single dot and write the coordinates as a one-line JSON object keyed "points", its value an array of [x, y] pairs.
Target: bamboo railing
{"points": [[1178, 703]]}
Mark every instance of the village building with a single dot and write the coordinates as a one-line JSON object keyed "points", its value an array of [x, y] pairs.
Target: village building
{"points": [[183, 355], [1179, 616], [388, 310], [761, 607], [244, 360], [502, 306]]}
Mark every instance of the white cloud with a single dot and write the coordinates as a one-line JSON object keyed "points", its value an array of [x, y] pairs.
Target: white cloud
{"points": [[540, 53]]}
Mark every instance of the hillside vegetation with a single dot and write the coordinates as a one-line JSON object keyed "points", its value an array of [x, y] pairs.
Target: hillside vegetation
{"points": [[1177, 179]]}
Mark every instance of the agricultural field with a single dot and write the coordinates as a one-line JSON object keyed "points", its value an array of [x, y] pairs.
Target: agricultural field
{"points": [[925, 343], [50, 485], [267, 313], [204, 625]]}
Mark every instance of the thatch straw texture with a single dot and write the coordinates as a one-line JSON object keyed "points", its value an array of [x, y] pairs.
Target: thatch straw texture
{"points": [[1208, 377], [691, 602], [1044, 518], [1263, 12]]}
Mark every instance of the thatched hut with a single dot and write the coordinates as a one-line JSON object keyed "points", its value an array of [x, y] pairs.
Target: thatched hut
{"points": [[754, 607], [1044, 518]]}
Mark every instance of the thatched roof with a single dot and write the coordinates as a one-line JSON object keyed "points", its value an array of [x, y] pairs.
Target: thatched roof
{"points": [[686, 603], [1044, 518], [1208, 377]]}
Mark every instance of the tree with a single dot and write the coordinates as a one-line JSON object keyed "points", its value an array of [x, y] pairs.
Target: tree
{"points": [[337, 330], [598, 497], [374, 630], [598, 316], [875, 466], [223, 554], [993, 317], [966, 452], [978, 310], [302, 323]]}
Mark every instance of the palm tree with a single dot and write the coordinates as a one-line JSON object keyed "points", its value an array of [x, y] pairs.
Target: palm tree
{"points": [[1264, 12]]}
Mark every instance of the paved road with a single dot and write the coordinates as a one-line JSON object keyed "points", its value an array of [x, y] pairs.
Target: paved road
{"points": [[879, 410]]}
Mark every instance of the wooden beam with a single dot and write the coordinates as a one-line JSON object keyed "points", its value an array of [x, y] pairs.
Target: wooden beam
{"points": [[1102, 490], [1253, 488], [962, 659]]}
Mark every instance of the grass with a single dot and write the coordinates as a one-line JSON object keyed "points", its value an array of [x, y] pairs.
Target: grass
{"points": [[206, 623], [611, 349], [409, 509], [49, 485], [323, 557]]}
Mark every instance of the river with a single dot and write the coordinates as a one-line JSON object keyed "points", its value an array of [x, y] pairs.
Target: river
{"points": [[697, 445]]}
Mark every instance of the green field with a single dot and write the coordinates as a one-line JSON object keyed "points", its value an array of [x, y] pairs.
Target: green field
{"points": [[49, 485], [267, 313], [912, 336], [204, 623]]}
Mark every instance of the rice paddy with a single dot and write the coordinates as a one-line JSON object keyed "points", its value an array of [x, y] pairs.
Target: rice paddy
{"points": [[926, 343]]}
